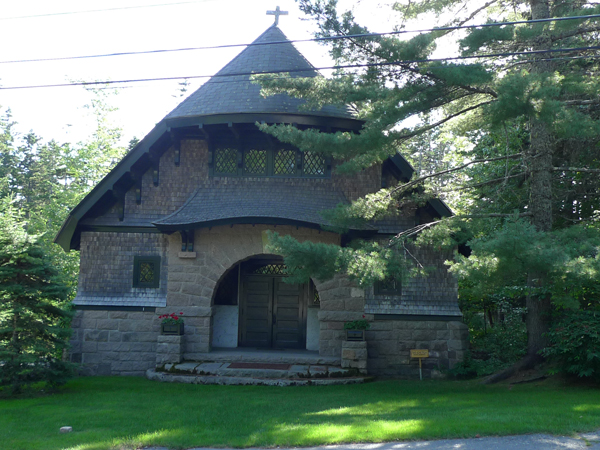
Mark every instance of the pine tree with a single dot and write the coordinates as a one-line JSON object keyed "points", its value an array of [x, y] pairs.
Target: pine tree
{"points": [[552, 95], [34, 320]]}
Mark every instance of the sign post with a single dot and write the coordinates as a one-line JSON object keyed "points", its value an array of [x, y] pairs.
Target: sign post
{"points": [[419, 353]]}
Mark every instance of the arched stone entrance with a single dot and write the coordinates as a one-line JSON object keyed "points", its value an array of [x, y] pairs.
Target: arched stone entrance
{"points": [[254, 307]]}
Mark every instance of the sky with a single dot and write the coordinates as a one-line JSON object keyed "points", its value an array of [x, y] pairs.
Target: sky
{"points": [[75, 28]]}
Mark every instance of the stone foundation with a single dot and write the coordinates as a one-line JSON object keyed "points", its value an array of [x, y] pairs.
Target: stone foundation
{"points": [[354, 356], [114, 342], [390, 341]]}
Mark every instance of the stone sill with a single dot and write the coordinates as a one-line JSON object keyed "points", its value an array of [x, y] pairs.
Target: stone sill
{"points": [[187, 255]]}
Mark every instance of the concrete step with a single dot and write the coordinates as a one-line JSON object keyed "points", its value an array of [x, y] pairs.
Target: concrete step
{"points": [[257, 370], [265, 356], [189, 378]]}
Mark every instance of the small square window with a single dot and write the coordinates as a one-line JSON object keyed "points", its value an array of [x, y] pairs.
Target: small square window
{"points": [[146, 271], [389, 286]]}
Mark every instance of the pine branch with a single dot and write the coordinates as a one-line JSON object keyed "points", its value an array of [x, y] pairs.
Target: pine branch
{"points": [[582, 102], [453, 169], [575, 169], [412, 256], [572, 33], [493, 215], [460, 23], [444, 120], [411, 232], [417, 71], [485, 183]]}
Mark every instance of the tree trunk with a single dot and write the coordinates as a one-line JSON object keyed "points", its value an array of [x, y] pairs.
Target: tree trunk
{"points": [[540, 197]]}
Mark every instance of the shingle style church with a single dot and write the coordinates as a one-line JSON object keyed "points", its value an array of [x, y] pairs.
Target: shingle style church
{"points": [[179, 225]]}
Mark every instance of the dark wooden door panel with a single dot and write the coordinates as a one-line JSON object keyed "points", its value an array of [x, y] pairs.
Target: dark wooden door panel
{"points": [[289, 328], [273, 313], [257, 311]]}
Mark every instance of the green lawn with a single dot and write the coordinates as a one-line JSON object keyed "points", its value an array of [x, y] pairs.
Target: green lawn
{"points": [[125, 413]]}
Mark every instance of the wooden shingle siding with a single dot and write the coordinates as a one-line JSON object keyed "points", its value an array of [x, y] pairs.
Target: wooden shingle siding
{"points": [[106, 269]]}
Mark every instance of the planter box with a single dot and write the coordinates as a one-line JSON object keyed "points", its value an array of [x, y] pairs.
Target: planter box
{"points": [[355, 335], [171, 329]]}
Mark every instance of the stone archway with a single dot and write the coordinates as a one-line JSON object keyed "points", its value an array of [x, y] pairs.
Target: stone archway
{"points": [[254, 307], [194, 278]]}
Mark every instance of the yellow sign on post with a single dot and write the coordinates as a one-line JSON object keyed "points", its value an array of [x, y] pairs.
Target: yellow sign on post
{"points": [[419, 353]]}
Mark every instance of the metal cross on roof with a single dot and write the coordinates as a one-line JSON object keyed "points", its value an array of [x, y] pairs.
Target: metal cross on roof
{"points": [[278, 12]]}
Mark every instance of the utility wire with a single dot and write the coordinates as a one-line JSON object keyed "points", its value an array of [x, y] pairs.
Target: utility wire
{"points": [[321, 39], [527, 61], [311, 70], [100, 10]]}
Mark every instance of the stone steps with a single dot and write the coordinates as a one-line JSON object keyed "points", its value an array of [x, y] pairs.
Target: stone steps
{"points": [[188, 378], [236, 373], [224, 369]]}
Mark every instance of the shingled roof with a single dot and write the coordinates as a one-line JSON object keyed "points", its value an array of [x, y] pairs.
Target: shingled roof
{"points": [[253, 203], [228, 93]]}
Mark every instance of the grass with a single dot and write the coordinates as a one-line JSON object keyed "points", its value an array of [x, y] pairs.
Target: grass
{"points": [[126, 413]]}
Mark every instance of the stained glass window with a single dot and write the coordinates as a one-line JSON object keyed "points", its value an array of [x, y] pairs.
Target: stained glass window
{"points": [[146, 271], [271, 269], [226, 161], [264, 163], [284, 162], [255, 162], [314, 164]]}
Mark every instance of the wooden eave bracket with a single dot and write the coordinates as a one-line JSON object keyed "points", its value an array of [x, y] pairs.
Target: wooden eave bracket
{"points": [[187, 244]]}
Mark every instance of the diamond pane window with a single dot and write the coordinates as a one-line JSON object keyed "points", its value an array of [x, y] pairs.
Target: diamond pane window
{"points": [[255, 162], [226, 161], [271, 269], [146, 271], [316, 298], [284, 162], [314, 164]]}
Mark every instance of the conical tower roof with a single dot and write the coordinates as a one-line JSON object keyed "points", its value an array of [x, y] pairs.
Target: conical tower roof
{"points": [[228, 93]]}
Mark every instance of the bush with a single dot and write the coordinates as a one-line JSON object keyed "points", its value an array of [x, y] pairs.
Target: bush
{"points": [[494, 349], [575, 344]]}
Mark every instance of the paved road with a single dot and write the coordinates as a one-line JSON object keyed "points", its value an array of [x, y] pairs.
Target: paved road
{"points": [[587, 441]]}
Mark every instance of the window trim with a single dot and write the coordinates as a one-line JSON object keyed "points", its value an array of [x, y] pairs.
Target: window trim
{"points": [[137, 262]]}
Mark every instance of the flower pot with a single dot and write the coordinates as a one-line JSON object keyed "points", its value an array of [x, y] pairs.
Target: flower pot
{"points": [[171, 329], [355, 335]]}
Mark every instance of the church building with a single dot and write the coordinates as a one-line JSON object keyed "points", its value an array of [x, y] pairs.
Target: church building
{"points": [[179, 226]]}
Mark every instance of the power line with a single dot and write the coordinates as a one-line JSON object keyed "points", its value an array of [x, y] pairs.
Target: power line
{"points": [[101, 10], [346, 66], [293, 41], [527, 61]]}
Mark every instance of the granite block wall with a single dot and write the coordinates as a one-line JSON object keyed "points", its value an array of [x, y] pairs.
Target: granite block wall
{"points": [[114, 342]]}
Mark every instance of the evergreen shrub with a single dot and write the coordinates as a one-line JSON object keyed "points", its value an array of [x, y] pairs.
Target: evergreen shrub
{"points": [[34, 315], [575, 343], [494, 348]]}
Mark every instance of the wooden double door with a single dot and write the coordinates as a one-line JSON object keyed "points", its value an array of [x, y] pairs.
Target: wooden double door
{"points": [[272, 313]]}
